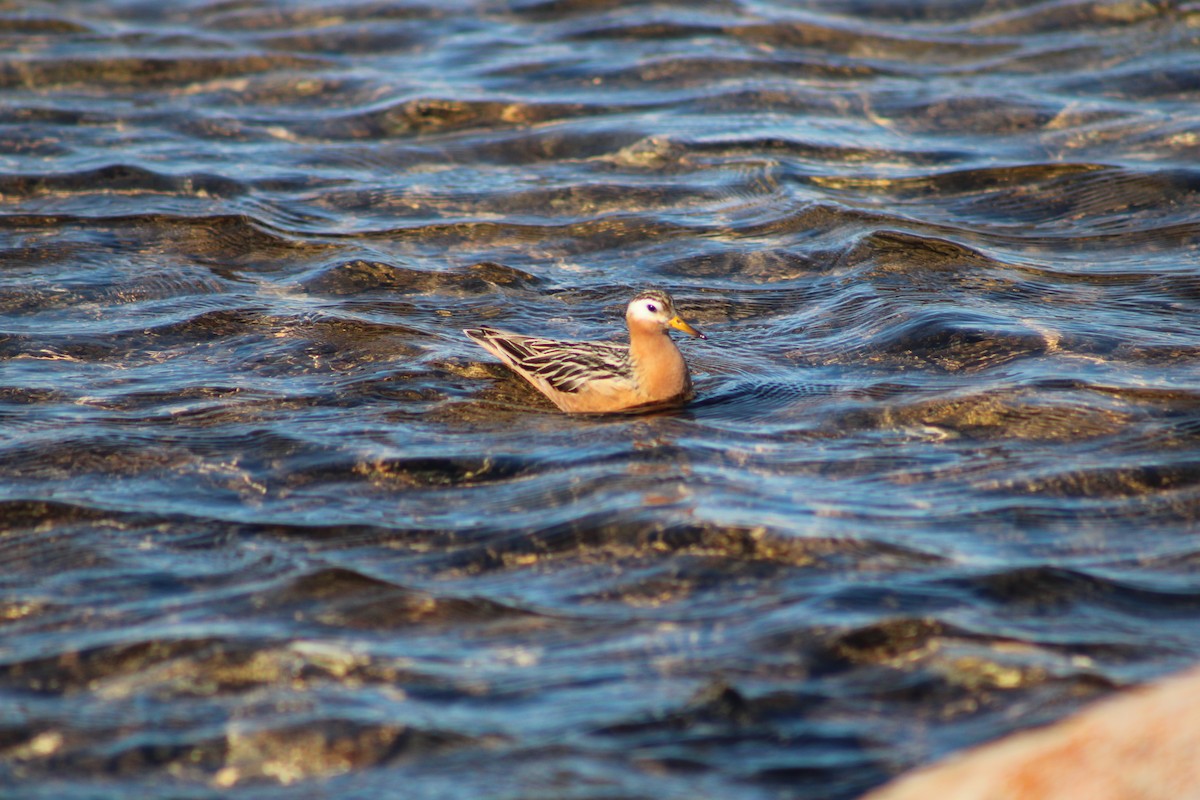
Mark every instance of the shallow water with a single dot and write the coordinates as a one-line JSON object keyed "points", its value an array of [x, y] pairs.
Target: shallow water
{"points": [[272, 527]]}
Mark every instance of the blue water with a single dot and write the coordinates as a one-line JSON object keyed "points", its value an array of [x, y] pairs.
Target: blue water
{"points": [[271, 526]]}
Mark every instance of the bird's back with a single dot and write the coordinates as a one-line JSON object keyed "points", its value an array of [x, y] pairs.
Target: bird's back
{"points": [[574, 375]]}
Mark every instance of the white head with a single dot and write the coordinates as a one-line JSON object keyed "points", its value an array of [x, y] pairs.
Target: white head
{"points": [[654, 309]]}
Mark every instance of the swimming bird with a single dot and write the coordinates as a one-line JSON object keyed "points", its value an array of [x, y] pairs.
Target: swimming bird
{"points": [[603, 377]]}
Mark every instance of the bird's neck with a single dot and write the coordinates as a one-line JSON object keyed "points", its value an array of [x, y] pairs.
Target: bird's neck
{"points": [[657, 365]]}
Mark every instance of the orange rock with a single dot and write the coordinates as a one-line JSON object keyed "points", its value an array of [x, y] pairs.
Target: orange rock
{"points": [[1143, 744]]}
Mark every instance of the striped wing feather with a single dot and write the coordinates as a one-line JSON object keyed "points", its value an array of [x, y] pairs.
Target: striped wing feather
{"points": [[564, 366]]}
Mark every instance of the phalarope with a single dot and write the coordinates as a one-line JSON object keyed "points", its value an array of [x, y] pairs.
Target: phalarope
{"points": [[602, 377]]}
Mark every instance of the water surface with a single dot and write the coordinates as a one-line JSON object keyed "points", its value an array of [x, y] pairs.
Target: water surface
{"points": [[272, 527]]}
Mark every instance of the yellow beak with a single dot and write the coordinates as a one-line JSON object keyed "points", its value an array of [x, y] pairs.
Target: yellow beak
{"points": [[679, 324]]}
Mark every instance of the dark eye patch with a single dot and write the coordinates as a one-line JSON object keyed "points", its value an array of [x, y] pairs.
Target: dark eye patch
{"points": [[652, 307]]}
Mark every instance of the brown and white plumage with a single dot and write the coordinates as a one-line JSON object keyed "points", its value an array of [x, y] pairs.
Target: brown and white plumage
{"points": [[599, 377]]}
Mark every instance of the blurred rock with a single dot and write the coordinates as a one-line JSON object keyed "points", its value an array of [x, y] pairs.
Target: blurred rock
{"points": [[1143, 744]]}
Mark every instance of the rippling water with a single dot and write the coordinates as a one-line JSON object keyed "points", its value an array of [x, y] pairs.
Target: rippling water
{"points": [[271, 526]]}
